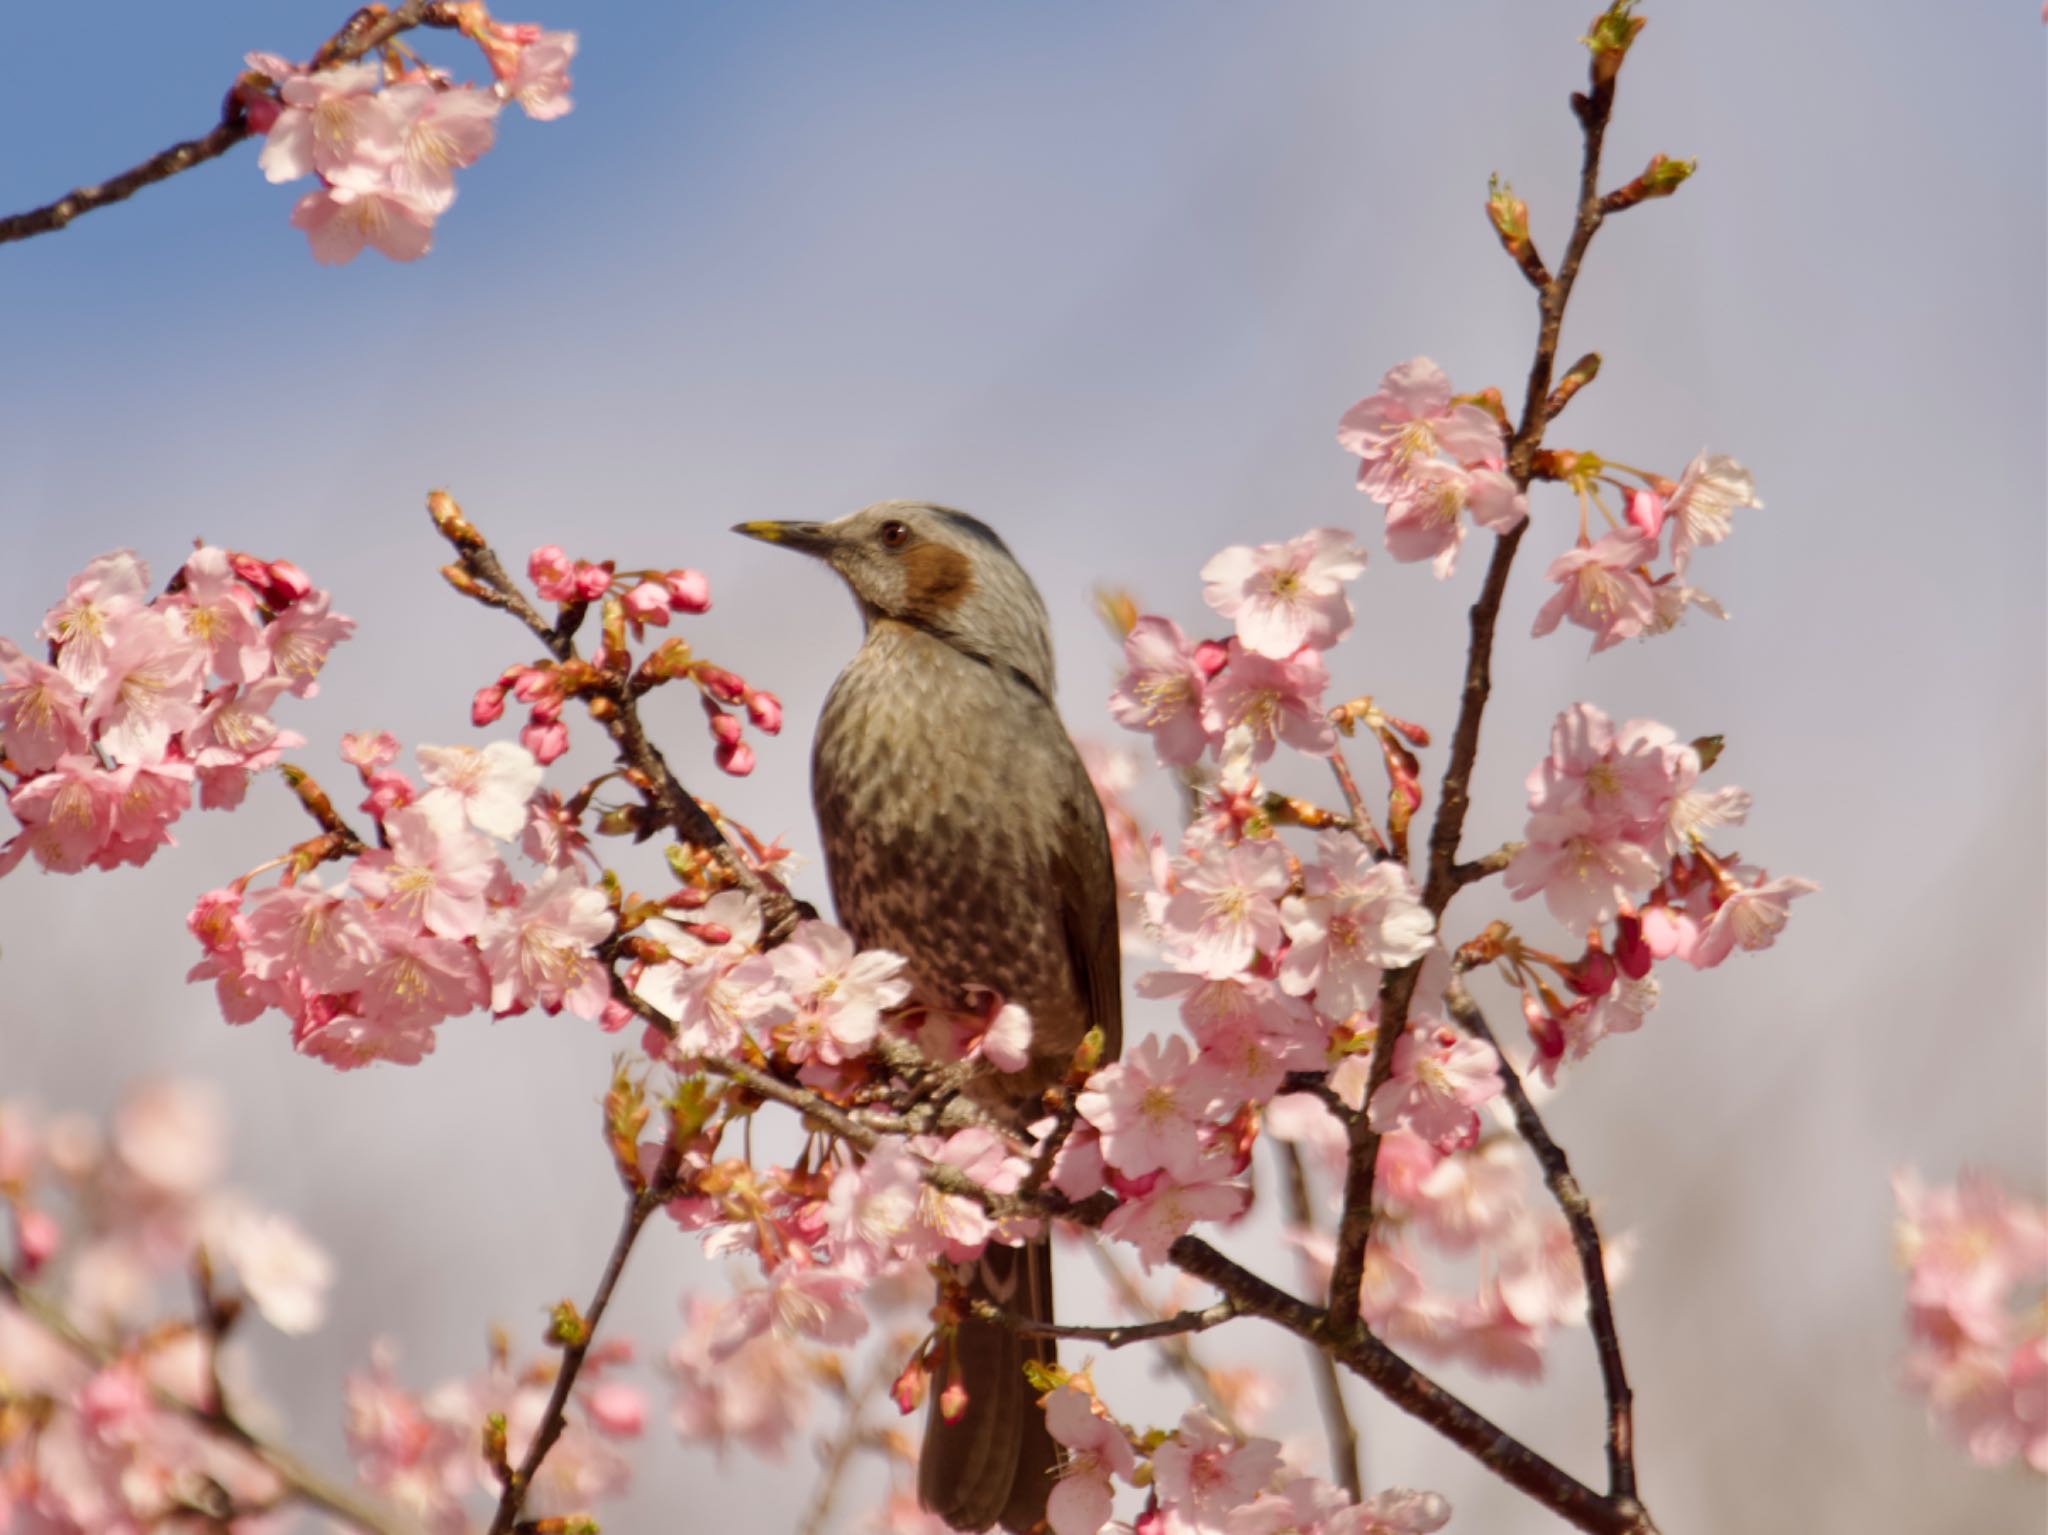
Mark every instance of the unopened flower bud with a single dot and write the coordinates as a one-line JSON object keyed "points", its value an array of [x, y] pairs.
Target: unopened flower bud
{"points": [[953, 1402], [1646, 512], [1210, 656], [546, 739], [1593, 975], [908, 1388], [721, 684], [689, 590], [552, 573], [725, 729], [1631, 953], [592, 581], [737, 759], [448, 518], [37, 1237], [648, 603], [488, 707]]}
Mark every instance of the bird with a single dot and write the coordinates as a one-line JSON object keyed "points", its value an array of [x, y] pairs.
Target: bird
{"points": [[961, 830]]}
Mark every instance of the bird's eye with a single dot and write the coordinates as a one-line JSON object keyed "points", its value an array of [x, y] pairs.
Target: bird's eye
{"points": [[894, 535]]}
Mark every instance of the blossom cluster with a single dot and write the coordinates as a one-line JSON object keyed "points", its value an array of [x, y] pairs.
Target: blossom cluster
{"points": [[631, 602], [427, 926], [1618, 833], [385, 138], [1976, 1261], [103, 1430], [145, 698]]}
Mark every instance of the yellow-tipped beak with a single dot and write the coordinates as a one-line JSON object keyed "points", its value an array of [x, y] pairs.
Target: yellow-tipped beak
{"points": [[809, 537]]}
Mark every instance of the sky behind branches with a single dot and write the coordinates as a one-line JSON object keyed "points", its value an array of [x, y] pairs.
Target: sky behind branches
{"points": [[1107, 276]]}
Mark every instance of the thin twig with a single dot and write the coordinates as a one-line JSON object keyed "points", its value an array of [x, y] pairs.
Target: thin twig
{"points": [[363, 33], [1578, 1214], [1178, 1352], [554, 1417], [1113, 1335], [302, 1482], [1362, 824], [1593, 109], [1343, 1435], [613, 702], [838, 1455]]}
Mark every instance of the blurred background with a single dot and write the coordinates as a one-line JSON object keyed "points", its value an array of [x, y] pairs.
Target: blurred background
{"points": [[1107, 276]]}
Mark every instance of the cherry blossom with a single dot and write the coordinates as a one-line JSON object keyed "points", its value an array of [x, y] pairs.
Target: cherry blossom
{"points": [[541, 952], [433, 870], [437, 133], [1600, 587], [1749, 917], [1354, 919], [494, 783], [1225, 907], [1204, 1471], [1277, 701], [1425, 518], [1585, 870], [757, 1394], [838, 995], [1408, 420], [331, 120], [1153, 1217], [1150, 1107], [42, 717], [1097, 1451], [1162, 691], [1701, 509], [82, 626], [1440, 1078], [1285, 596]]}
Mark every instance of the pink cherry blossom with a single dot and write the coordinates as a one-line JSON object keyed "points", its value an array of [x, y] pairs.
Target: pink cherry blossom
{"points": [[1395, 1511], [82, 626], [147, 797], [800, 1300], [1153, 1220], [437, 133], [646, 603], [433, 870], [838, 994], [758, 1395], [1542, 1283], [1275, 700], [689, 591], [1151, 1108], [1585, 870], [234, 729], [1673, 600], [1425, 519], [67, 814], [331, 121], [149, 690], [1204, 1471], [1161, 691], [1623, 779], [310, 931], [1354, 919], [221, 610], [1749, 918], [1701, 510], [1407, 421], [539, 75], [42, 716], [341, 220], [300, 638], [1440, 1078], [280, 1268], [494, 784], [1096, 1451], [1285, 596], [1601, 588], [542, 952], [1472, 1196], [416, 979], [1226, 907]]}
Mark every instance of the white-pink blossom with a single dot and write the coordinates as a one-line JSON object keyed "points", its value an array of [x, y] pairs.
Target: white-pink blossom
{"points": [[1410, 419], [1426, 516], [1749, 917], [1226, 907], [1601, 588], [542, 951], [1440, 1078], [1151, 1108], [494, 783], [1275, 701], [1285, 596], [1701, 510], [1354, 919], [1161, 691], [1096, 1451]]}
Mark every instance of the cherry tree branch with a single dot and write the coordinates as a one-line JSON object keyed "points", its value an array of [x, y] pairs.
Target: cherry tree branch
{"points": [[1118, 1334], [1578, 1214], [302, 1483], [1593, 108], [644, 1202], [613, 702], [363, 33]]}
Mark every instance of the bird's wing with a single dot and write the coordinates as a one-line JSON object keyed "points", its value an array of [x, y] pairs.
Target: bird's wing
{"points": [[1084, 877]]}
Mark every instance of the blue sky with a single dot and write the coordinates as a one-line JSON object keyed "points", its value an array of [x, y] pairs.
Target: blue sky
{"points": [[1107, 275]]}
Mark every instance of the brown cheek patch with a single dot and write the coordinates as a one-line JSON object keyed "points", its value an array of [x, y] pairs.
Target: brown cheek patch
{"points": [[936, 580]]}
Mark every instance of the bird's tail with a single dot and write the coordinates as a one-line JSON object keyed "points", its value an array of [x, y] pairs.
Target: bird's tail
{"points": [[996, 1462]]}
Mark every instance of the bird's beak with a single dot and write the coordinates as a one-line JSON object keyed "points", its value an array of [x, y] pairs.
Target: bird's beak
{"points": [[805, 537]]}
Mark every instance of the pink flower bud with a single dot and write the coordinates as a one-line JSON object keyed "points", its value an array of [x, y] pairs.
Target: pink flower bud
{"points": [[554, 578], [1593, 975], [765, 709], [389, 791], [721, 684], [546, 739], [114, 1396], [953, 1402], [212, 920], [909, 1388], [1631, 952], [1210, 656], [488, 707], [616, 1016], [1646, 512], [725, 729], [1543, 1029], [261, 111], [592, 581], [714, 933], [37, 1237], [617, 1409], [737, 759], [286, 583], [689, 590], [250, 569], [647, 603]]}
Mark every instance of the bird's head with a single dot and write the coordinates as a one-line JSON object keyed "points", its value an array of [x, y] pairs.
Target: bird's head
{"points": [[936, 569]]}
